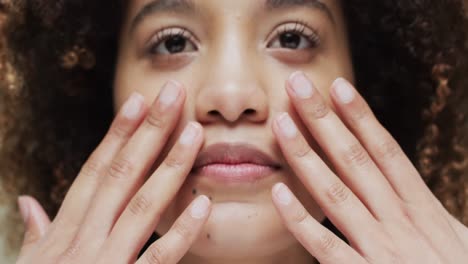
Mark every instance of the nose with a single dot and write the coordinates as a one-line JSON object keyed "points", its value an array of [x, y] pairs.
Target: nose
{"points": [[232, 91]]}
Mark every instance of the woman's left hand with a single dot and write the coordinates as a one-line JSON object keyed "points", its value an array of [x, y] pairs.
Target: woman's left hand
{"points": [[379, 201]]}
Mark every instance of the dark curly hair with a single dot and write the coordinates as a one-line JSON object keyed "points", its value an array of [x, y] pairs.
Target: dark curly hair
{"points": [[409, 56]]}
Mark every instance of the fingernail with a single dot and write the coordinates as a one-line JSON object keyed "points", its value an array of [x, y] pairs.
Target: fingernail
{"points": [[169, 93], [344, 91], [132, 106], [282, 193], [200, 207], [287, 126], [24, 208], [301, 86], [189, 134]]}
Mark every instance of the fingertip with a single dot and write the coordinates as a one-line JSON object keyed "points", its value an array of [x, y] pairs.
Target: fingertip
{"points": [[196, 125], [286, 126], [190, 134], [343, 91], [200, 207], [38, 217], [132, 108], [281, 194], [24, 207]]}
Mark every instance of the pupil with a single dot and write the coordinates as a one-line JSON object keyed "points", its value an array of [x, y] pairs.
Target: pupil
{"points": [[176, 44], [290, 40]]}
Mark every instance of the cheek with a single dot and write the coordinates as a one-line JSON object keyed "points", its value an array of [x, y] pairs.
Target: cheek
{"points": [[128, 82], [132, 76]]}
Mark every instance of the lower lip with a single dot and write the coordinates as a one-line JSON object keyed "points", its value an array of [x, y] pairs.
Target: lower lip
{"points": [[235, 173]]}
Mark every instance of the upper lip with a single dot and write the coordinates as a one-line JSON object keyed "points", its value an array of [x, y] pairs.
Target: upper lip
{"points": [[224, 153]]}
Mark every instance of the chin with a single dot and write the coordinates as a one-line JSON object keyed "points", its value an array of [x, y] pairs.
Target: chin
{"points": [[243, 222], [242, 230], [235, 229]]}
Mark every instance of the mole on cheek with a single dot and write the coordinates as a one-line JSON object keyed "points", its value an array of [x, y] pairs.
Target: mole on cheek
{"points": [[194, 191], [208, 236]]}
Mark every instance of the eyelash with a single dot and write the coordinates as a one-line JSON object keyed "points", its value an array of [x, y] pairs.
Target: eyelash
{"points": [[167, 33], [298, 27]]}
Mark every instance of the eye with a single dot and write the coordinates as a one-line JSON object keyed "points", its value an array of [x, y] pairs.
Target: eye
{"points": [[294, 36], [172, 41]]}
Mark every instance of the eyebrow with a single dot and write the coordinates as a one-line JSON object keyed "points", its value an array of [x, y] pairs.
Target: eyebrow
{"points": [[314, 4], [187, 6], [159, 6]]}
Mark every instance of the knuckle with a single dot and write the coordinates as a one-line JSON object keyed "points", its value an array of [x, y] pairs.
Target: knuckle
{"points": [[183, 229], [318, 110], [338, 193], [362, 113], [357, 155], [155, 254], [155, 119], [173, 161], [140, 204], [72, 251], [92, 168], [303, 150], [300, 216], [120, 168], [118, 130], [389, 149], [328, 243]]}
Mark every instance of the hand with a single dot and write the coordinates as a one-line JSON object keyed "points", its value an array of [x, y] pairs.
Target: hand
{"points": [[110, 210], [379, 202]]}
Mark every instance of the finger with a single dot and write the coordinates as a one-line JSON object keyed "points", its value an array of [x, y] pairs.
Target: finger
{"points": [[129, 168], [325, 246], [337, 201], [35, 219], [343, 149], [460, 229], [383, 148], [142, 214], [177, 241], [420, 205], [78, 198]]}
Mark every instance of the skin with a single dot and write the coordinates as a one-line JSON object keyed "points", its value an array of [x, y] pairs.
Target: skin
{"points": [[229, 37], [314, 124]]}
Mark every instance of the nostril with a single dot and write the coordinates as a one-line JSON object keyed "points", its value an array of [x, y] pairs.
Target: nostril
{"points": [[231, 116], [213, 113], [249, 111]]}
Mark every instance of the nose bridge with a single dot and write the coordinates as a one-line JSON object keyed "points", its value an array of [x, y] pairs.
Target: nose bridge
{"points": [[232, 88], [231, 62]]}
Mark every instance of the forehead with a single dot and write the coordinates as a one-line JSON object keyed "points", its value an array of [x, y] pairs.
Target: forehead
{"points": [[273, 3], [324, 5]]}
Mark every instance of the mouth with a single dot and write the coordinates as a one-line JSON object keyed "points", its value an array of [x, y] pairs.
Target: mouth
{"points": [[234, 163]]}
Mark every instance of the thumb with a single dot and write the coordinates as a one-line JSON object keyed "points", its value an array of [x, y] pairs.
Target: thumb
{"points": [[35, 220]]}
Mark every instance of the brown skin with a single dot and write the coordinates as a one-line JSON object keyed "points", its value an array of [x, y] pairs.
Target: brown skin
{"points": [[230, 36]]}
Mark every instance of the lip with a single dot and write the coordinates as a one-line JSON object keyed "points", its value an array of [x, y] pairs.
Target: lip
{"points": [[234, 163]]}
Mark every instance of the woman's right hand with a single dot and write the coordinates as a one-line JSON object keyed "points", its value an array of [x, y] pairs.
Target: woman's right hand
{"points": [[110, 211]]}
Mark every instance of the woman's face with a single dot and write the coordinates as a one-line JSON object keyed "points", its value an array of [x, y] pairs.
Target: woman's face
{"points": [[233, 58]]}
